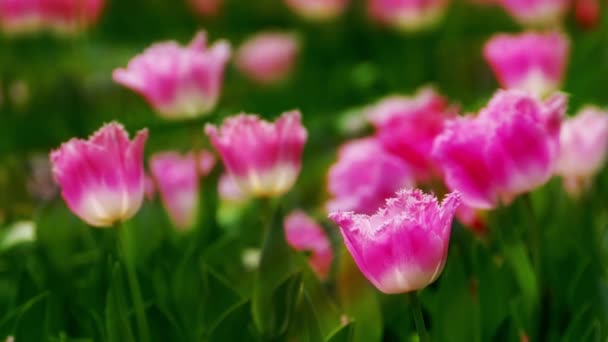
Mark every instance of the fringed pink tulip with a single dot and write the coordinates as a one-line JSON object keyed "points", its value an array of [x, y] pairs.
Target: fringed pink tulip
{"points": [[364, 176], [268, 57], [177, 177], [102, 179], [510, 148], [536, 13], [407, 127], [407, 15], [304, 234], [207, 8], [263, 158], [317, 9], [584, 145], [59, 16], [533, 62], [403, 247], [179, 82]]}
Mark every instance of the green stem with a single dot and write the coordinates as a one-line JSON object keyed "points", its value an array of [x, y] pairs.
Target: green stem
{"points": [[414, 301], [129, 261], [535, 238]]}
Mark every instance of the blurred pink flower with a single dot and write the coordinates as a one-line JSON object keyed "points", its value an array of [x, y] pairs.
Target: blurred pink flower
{"points": [[403, 247], [177, 177], [407, 127], [179, 82], [584, 144], [268, 57], [317, 9], [471, 219], [407, 15], [364, 176], [536, 13], [304, 234], [207, 8], [533, 62], [102, 179], [149, 187], [510, 148], [228, 189], [60, 16], [263, 158]]}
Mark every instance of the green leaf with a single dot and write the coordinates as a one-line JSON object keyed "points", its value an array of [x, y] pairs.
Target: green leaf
{"points": [[517, 258], [345, 333], [306, 327], [276, 282], [233, 326]]}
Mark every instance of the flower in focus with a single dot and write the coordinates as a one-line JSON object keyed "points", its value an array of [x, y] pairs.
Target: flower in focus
{"points": [[207, 8], [177, 177], [268, 57], [304, 234], [59, 16], [407, 15], [510, 148], [317, 9], [179, 82], [533, 62], [263, 158], [402, 247], [364, 176], [102, 179], [536, 13], [584, 144], [407, 127]]}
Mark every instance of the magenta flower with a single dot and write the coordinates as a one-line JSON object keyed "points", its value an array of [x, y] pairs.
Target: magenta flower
{"points": [[584, 144], [407, 15], [20, 16], [536, 13], [510, 148], [533, 62], [268, 57], [353, 189], [177, 177], [403, 247], [407, 127], [102, 179], [263, 158], [304, 234], [179, 82], [317, 9]]}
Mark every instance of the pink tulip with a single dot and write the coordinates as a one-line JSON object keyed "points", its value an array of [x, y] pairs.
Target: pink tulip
{"points": [[179, 82], [510, 148], [268, 57], [20, 16], [304, 234], [177, 177], [536, 13], [584, 144], [533, 62], [207, 8], [228, 190], [102, 179], [263, 158], [407, 15], [60, 16], [364, 176], [317, 9], [403, 247], [407, 127]]}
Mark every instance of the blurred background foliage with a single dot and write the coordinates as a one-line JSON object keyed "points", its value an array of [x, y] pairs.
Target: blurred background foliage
{"points": [[68, 286]]}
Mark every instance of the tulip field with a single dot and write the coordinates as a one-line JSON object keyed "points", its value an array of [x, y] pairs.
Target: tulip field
{"points": [[303, 170]]}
